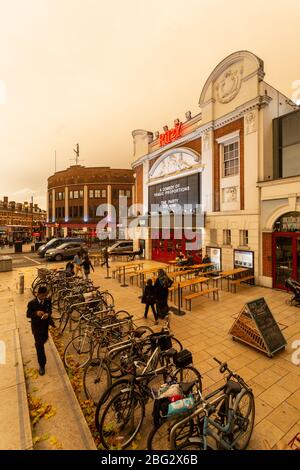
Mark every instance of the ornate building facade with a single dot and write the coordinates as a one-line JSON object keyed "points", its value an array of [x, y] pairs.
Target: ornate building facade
{"points": [[223, 159]]}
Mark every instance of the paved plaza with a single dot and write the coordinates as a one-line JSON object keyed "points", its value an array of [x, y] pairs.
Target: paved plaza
{"points": [[204, 331]]}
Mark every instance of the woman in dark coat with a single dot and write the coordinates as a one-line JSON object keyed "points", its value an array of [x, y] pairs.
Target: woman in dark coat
{"points": [[149, 299], [162, 284]]}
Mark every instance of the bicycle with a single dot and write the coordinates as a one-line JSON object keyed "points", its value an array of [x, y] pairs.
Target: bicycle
{"points": [[97, 333], [123, 415], [231, 414], [100, 371]]}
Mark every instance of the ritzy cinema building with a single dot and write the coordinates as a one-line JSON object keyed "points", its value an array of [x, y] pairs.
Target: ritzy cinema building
{"points": [[239, 158]]}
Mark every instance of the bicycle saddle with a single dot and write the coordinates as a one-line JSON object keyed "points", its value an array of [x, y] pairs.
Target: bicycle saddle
{"points": [[232, 387], [186, 387]]}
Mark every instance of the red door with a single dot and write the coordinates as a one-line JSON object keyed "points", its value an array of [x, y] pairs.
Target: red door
{"points": [[286, 257], [167, 249]]}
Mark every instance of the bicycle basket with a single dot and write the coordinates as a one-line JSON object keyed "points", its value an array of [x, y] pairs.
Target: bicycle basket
{"points": [[183, 358], [161, 340]]}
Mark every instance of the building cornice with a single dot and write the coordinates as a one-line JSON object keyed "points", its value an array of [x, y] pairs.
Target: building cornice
{"points": [[278, 181], [231, 213], [68, 185], [257, 103]]}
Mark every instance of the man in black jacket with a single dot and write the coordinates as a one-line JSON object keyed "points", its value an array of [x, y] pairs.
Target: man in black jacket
{"points": [[39, 310]]}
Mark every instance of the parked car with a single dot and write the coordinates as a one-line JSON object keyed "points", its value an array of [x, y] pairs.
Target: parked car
{"points": [[120, 247], [54, 243], [64, 251]]}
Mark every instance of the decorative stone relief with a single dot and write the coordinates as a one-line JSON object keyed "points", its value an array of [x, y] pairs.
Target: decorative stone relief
{"points": [[230, 194], [206, 140], [173, 163], [250, 121], [229, 84]]}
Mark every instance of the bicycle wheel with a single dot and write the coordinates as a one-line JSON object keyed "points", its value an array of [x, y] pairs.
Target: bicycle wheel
{"points": [[39, 284], [189, 374], [159, 436], [194, 443], [122, 419], [108, 300], [110, 392], [78, 351], [244, 421], [96, 379], [63, 321]]}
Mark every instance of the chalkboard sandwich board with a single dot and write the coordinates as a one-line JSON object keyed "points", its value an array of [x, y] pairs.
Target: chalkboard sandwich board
{"points": [[257, 327]]}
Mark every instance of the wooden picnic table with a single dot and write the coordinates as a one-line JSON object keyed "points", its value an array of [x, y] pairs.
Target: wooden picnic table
{"points": [[201, 266], [188, 283], [137, 266], [180, 273], [129, 264], [230, 274]]}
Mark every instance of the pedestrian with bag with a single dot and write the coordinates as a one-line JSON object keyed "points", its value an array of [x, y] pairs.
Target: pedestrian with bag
{"points": [[86, 264], [39, 310], [149, 299], [162, 284]]}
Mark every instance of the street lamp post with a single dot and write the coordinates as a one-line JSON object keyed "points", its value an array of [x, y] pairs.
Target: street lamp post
{"points": [[31, 218]]}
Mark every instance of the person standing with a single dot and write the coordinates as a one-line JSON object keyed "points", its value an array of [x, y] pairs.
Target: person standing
{"points": [[149, 299], [161, 286], [87, 265], [39, 310], [105, 257], [206, 259], [77, 263]]}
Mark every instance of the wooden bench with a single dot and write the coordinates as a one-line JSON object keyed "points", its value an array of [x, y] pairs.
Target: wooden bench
{"points": [[188, 298], [235, 282], [132, 275], [119, 275]]}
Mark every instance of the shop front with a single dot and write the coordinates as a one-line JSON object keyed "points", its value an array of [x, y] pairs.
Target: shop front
{"points": [[286, 249]]}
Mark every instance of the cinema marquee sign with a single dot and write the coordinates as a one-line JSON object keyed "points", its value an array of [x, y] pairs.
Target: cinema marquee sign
{"points": [[171, 134]]}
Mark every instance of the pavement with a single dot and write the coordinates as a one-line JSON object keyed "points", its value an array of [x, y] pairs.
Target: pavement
{"points": [[53, 404], [204, 331]]}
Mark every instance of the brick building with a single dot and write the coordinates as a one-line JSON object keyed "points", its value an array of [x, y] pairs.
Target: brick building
{"points": [[21, 220], [227, 159], [75, 193]]}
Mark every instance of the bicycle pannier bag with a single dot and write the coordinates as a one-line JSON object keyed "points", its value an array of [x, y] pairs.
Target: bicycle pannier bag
{"points": [[183, 358]]}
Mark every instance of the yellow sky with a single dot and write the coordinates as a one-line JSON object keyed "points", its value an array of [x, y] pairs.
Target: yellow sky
{"points": [[91, 71]]}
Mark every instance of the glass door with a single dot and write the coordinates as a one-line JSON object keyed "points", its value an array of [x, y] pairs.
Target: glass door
{"points": [[283, 260]]}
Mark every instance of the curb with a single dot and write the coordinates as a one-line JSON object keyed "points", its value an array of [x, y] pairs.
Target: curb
{"points": [[83, 428]]}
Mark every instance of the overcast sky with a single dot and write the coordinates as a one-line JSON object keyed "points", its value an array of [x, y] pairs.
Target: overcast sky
{"points": [[91, 71]]}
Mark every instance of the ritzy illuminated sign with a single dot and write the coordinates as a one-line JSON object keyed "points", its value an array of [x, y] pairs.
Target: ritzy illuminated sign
{"points": [[171, 134]]}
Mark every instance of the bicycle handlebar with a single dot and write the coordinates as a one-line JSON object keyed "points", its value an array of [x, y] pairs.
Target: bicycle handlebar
{"points": [[224, 367]]}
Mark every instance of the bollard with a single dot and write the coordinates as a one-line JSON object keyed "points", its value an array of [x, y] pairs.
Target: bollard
{"points": [[21, 283]]}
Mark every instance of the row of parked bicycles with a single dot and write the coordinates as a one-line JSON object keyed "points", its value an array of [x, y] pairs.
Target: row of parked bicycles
{"points": [[137, 377]]}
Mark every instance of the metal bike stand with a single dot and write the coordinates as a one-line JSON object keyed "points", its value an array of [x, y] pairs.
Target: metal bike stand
{"points": [[107, 272], [175, 310], [124, 278]]}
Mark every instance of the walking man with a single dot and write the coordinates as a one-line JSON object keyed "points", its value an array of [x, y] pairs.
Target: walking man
{"points": [[39, 310]]}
